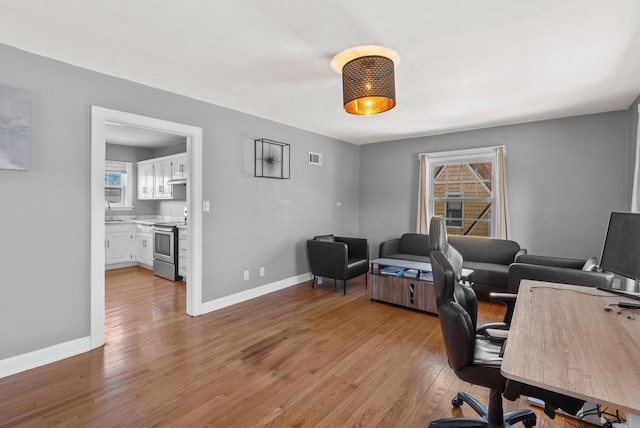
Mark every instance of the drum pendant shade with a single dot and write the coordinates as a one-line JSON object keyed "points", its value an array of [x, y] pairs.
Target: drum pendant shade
{"points": [[368, 85]]}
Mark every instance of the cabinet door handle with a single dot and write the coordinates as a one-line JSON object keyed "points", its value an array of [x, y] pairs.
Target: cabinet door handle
{"points": [[107, 243]]}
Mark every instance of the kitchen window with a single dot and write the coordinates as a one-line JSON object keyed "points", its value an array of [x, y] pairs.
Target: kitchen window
{"points": [[118, 185]]}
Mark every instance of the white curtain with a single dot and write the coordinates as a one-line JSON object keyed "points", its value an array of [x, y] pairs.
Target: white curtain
{"points": [[504, 221], [424, 207], [635, 197]]}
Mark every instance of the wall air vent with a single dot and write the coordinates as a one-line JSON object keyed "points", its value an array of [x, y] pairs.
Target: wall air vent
{"points": [[315, 158]]}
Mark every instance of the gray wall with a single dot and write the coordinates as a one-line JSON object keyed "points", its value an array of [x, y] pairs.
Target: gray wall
{"points": [[44, 250], [564, 177]]}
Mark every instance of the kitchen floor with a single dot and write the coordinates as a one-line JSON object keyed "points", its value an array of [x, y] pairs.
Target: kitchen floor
{"points": [[136, 296]]}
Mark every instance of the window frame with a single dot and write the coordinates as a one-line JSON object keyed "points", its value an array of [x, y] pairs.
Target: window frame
{"points": [[126, 184], [471, 156]]}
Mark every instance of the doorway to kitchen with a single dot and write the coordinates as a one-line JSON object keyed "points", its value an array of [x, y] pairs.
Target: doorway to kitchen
{"points": [[102, 120]]}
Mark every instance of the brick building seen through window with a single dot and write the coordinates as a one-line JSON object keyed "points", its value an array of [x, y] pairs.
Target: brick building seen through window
{"points": [[462, 193]]}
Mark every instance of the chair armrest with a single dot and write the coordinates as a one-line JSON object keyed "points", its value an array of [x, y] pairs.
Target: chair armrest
{"points": [[496, 335], [358, 248], [504, 298], [328, 259], [520, 252], [389, 247], [507, 299], [550, 261]]}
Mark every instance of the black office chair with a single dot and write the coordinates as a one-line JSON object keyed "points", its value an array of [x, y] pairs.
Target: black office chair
{"points": [[338, 257], [477, 360], [463, 293]]}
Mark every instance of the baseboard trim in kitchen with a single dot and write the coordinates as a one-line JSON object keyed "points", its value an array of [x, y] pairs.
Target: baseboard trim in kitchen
{"points": [[31, 360], [223, 302]]}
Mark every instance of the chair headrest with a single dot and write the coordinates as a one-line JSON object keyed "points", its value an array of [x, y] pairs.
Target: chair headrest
{"points": [[438, 234], [444, 278]]}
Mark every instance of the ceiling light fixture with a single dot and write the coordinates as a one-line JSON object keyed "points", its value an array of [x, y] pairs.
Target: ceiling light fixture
{"points": [[368, 79]]}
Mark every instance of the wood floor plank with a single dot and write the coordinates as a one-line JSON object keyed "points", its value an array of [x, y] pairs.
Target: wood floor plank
{"points": [[302, 357]]}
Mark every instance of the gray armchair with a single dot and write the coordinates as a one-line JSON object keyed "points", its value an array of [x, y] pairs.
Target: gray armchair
{"points": [[337, 257]]}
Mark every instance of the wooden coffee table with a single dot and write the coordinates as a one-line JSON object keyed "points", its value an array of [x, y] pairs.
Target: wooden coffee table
{"points": [[411, 293], [414, 293]]}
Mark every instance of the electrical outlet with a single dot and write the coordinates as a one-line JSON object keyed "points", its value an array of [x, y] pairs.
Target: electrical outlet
{"points": [[262, 271], [206, 206], [246, 275]]}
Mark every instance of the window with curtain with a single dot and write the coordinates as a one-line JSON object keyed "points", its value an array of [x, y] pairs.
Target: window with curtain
{"points": [[118, 185], [467, 188]]}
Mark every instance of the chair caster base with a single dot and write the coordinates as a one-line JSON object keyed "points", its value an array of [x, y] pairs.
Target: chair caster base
{"points": [[489, 418]]}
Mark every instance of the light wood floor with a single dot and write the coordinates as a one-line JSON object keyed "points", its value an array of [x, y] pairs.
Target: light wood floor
{"points": [[299, 357]]}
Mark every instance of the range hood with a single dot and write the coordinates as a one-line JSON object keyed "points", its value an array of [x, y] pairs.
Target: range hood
{"points": [[175, 181]]}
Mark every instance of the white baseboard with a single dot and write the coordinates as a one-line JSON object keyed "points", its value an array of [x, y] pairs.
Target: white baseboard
{"points": [[31, 360], [223, 302], [120, 265]]}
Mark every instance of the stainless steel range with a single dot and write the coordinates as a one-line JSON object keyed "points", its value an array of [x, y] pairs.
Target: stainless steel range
{"points": [[165, 250]]}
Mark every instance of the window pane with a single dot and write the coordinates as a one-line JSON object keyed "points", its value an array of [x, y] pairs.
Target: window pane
{"points": [[456, 190], [112, 179], [113, 195]]}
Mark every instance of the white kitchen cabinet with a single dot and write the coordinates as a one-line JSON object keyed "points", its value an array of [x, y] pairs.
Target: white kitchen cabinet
{"points": [[154, 175], [182, 252], [118, 244], [161, 177], [179, 166], [145, 180], [144, 246]]}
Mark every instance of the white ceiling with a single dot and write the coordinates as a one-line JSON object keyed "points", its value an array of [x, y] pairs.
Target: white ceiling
{"points": [[125, 135], [464, 64]]}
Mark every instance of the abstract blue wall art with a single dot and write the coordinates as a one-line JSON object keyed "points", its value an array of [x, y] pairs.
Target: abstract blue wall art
{"points": [[15, 123]]}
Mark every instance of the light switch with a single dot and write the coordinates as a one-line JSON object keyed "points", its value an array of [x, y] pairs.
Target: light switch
{"points": [[205, 206]]}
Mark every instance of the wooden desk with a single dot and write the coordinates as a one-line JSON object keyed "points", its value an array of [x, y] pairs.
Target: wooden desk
{"points": [[561, 339]]}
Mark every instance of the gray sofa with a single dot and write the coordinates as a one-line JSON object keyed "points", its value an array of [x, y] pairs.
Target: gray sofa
{"points": [[489, 258]]}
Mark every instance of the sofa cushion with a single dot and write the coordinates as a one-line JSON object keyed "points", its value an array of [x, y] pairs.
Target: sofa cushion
{"points": [[415, 243], [486, 250], [488, 273]]}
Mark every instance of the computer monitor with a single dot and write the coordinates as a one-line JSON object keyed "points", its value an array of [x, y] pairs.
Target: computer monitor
{"points": [[621, 250]]}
